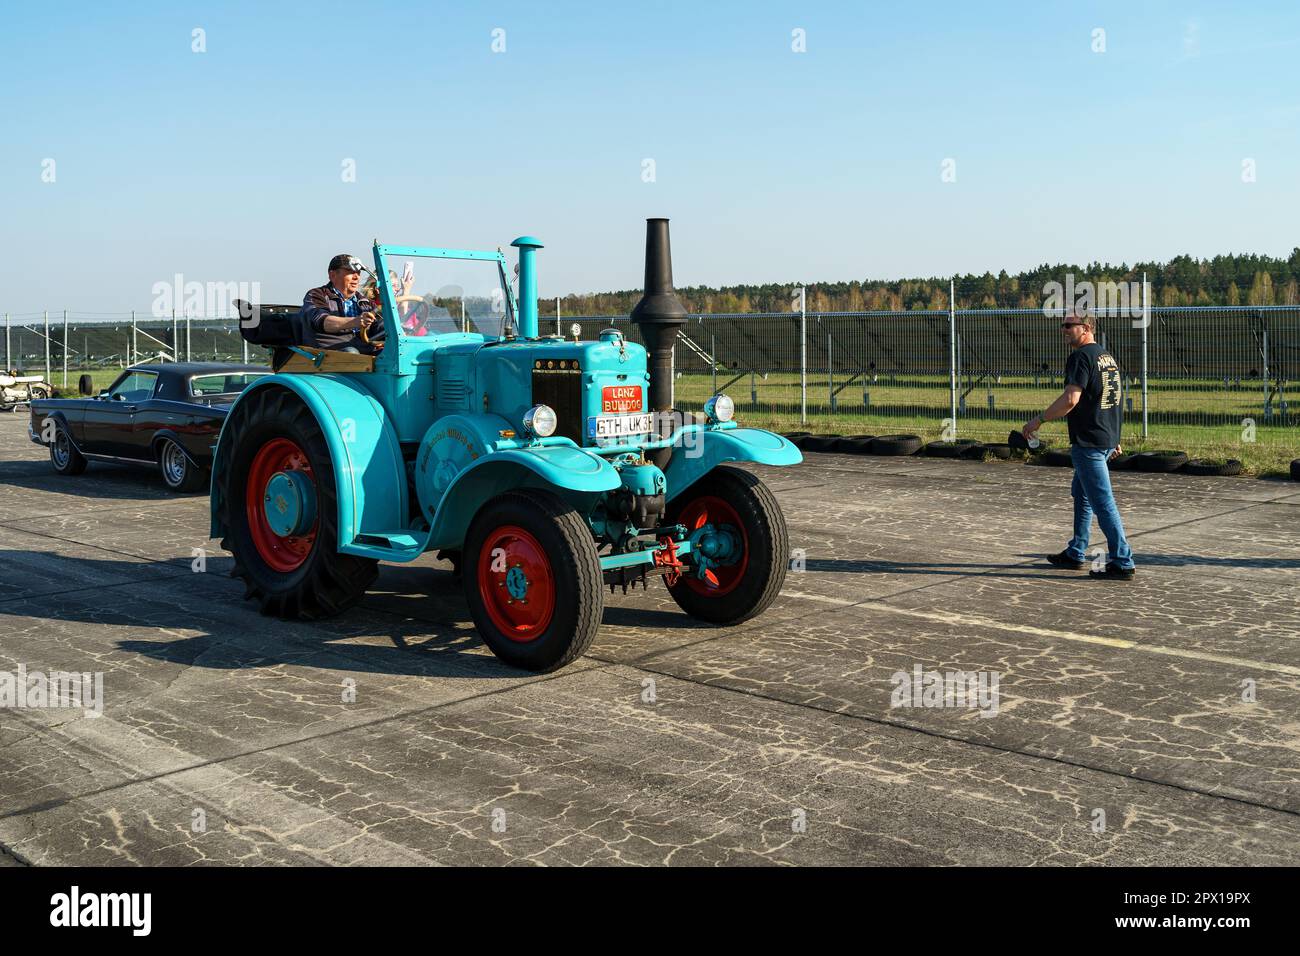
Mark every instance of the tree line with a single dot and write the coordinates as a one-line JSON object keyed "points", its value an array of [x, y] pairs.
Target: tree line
{"points": [[1183, 280]]}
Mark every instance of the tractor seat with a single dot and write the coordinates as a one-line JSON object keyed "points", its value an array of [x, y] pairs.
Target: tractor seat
{"points": [[277, 327]]}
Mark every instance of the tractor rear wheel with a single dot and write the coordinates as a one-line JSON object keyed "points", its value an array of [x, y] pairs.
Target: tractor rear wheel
{"points": [[532, 580], [277, 501], [737, 528]]}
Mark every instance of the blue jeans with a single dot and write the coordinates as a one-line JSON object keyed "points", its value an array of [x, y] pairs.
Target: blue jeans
{"points": [[1092, 495]]}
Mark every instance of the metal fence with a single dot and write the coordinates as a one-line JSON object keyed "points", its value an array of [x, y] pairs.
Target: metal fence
{"points": [[1229, 372]]}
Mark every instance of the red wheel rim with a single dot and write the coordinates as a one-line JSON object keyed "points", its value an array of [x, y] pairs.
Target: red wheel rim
{"points": [[279, 554], [713, 510], [516, 583]]}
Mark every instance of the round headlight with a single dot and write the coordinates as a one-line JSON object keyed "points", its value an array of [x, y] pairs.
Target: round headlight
{"points": [[540, 420], [720, 408]]}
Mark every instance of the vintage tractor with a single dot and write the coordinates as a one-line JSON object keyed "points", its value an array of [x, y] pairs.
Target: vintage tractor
{"points": [[546, 468]]}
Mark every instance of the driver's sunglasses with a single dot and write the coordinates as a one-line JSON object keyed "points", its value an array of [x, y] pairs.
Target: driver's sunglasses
{"points": [[1068, 325]]}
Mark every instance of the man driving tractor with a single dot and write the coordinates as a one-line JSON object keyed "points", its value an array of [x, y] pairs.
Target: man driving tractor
{"points": [[340, 318]]}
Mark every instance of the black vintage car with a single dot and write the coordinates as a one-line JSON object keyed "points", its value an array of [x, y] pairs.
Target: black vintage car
{"points": [[167, 414]]}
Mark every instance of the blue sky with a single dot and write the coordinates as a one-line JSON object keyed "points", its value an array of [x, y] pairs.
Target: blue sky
{"points": [[775, 166]]}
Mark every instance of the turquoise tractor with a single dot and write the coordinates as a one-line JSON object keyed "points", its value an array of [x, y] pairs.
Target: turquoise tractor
{"points": [[544, 467]]}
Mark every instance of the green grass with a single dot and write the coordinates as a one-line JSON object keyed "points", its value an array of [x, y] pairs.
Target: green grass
{"points": [[1269, 454]]}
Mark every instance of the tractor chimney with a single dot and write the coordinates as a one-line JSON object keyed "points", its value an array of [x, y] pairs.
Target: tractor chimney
{"points": [[659, 314]]}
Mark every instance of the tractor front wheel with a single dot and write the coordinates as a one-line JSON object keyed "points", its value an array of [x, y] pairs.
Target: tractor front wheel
{"points": [[276, 498], [739, 543], [532, 580]]}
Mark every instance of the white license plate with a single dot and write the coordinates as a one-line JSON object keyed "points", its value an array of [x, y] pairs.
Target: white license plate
{"points": [[621, 426]]}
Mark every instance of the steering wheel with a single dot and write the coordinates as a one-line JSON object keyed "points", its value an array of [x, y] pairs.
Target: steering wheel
{"points": [[419, 299]]}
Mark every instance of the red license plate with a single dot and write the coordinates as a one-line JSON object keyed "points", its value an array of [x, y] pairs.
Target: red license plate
{"points": [[620, 399]]}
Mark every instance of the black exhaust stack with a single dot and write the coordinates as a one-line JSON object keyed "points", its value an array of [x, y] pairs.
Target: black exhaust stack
{"points": [[659, 314]]}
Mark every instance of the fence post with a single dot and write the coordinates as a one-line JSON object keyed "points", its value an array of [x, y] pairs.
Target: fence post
{"points": [[558, 331], [9, 362], [65, 348], [1268, 411], [952, 355], [830, 375], [176, 339], [135, 340], [47, 346], [1146, 324], [713, 361], [803, 355], [187, 337]]}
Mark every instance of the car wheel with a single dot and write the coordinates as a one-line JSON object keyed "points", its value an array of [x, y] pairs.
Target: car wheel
{"points": [[64, 455], [532, 580], [178, 472]]}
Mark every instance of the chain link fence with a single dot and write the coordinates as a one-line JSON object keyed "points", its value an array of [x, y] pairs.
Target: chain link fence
{"points": [[1216, 377]]}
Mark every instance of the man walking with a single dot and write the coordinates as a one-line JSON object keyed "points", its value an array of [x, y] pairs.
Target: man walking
{"points": [[1091, 407]]}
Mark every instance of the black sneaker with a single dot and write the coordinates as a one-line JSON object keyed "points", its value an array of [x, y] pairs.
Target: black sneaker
{"points": [[1063, 560], [1113, 572]]}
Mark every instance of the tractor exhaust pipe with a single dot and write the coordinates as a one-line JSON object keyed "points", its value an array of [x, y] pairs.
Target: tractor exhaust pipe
{"points": [[659, 315]]}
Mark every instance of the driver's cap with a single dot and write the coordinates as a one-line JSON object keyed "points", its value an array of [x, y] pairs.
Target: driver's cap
{"points": [[346, 262]]}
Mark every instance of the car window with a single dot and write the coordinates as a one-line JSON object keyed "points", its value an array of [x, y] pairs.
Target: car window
{"points": [[222, 384], [136, 387]]}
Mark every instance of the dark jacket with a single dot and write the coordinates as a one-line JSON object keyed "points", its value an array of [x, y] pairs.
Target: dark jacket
{"points": [[325, 300]]}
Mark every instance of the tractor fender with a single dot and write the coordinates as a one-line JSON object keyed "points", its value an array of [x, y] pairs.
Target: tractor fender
{"points": [[464, 461], [695, 455], [369, 474]]}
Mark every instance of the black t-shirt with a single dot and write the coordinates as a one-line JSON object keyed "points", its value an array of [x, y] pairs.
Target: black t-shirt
{"points": [[1094, 422]]}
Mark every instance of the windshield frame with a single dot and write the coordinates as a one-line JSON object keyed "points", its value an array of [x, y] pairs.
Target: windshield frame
{"points": [[392, 328]]}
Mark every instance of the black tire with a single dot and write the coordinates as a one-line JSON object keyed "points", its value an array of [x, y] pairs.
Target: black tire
{"points": [[1055, 459], [1122, 462], [1160, 462], [794, 436], [999, 450], [1295, 469], [767, 547], [64, 457], [327, 582], [38, 392], [821, 443], [1207, 468], [574, 565], [853, 444], [948, 449], [85, 385], [895, 445], [178, 472]]}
